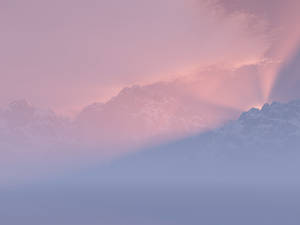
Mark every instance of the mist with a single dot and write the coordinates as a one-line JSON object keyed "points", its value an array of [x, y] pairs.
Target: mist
{"points": [[138, 112]]}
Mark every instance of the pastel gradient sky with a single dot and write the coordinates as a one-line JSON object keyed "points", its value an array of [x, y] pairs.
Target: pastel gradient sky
{"points": [[64, 54], [141, 112], [161, 68]]}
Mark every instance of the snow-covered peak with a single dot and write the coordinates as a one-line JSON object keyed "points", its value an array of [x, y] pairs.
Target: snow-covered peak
{"points": [[22, 126], [276, 110], [144, 113], [20, 104], [275, 124]]}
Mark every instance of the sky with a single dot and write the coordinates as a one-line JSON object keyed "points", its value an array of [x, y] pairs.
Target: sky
{"points": [[134, 72], [66, 54], [284, 38], [86, 83]]}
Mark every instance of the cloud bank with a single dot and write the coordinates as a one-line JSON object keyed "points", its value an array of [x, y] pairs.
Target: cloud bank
{"points": [[91, 49], [189, 66]]}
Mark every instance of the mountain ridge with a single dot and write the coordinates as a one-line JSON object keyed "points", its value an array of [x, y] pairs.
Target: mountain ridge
{"points": [[261, 144]]}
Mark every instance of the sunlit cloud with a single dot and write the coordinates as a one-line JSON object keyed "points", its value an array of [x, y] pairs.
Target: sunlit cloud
{"points": [[284, 35], [156, 70], [93, 49]]}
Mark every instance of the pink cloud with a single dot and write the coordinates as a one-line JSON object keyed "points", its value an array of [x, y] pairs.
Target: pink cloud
{"points": [[90, 49], [65, 54], [284, 33]]}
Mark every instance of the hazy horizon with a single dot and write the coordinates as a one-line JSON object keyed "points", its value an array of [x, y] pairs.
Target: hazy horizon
{"points": [[149, 112]]}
